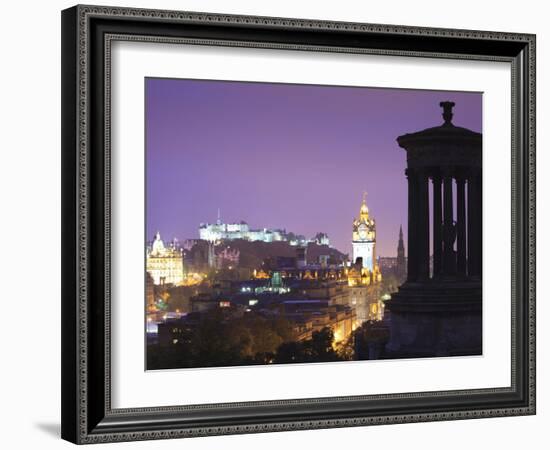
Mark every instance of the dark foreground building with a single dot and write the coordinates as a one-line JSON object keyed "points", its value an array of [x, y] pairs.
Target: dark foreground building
{"points": [[437, 311]]}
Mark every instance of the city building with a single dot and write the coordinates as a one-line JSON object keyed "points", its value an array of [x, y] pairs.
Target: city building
{"points": [[306, 317], [213, 232], [322, 239], [367, 303], [387, 264], [324, 261], [364, 237], [362, 291], [301, 257], [395, 266], [164, 263], [226, 257], [178, 330], [218, 231], [310, 315], [149, 293]]}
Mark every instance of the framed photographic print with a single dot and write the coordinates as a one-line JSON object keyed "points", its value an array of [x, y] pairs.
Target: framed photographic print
{"points": [[282, 224]]}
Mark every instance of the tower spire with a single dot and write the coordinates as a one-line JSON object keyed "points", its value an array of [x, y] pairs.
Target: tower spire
{"points": [[364, 237], [401, 267], [364, 211]]}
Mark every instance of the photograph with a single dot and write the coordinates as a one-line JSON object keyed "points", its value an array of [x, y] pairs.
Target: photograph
{"points": [[301, 223], [273, 222]]}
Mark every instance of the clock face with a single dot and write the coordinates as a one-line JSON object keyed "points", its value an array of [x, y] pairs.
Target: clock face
{"points": [[362, 231]]}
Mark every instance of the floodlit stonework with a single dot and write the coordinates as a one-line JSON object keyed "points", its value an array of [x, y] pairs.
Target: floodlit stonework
{"points": [[164, 263]]}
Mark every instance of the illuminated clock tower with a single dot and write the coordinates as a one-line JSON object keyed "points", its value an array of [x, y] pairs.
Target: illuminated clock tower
{"points": [[364, 237]]}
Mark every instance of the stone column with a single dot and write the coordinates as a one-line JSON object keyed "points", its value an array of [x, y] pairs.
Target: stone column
{"points": [[449, 261], [423, 231], [479, 224], [437, 226], [412, 266], [461, 225], [474, 223]]}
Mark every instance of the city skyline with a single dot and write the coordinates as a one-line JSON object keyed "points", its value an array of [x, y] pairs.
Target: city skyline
{"points": [[297, 157]]}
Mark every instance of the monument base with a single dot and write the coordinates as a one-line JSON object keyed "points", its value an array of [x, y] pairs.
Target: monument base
{"points": [[435, 318]]}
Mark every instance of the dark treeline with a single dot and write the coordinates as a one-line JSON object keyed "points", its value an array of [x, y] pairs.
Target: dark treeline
{"points": [[252, 340]]}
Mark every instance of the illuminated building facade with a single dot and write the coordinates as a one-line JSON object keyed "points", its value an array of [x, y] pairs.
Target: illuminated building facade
{"points": [[322, 239], [213, 232], [313, 315], [149, 293], [364, 238], [364, 278], [219, 231], [164, 263], [364, 292]]}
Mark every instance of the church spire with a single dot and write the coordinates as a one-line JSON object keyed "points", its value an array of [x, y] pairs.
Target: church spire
{"points": [[401, 266]]}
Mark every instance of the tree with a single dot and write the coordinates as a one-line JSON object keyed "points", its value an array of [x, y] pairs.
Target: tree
{"points": [[321, 342], [222, 338], [346, 351], [317, 349], [290, 352], [322, 345]]}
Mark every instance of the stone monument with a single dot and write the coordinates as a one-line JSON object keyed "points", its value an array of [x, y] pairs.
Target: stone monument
{"points": [[437, 310]]}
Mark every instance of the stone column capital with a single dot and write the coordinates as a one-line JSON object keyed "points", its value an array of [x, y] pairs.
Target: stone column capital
{"points": [[472, 173], [447, 172], [411, 172], [422, 172], [436, 175], [460, 179]]}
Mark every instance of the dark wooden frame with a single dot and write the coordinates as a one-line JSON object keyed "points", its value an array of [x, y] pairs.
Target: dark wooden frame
{"points": [[87, 31]]}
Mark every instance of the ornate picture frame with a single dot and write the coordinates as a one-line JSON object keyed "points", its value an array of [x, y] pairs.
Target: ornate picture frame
{"points": [[87, 35]]}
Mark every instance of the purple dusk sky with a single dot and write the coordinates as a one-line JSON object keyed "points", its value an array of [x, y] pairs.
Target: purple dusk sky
{"points": [[284, 156]]}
